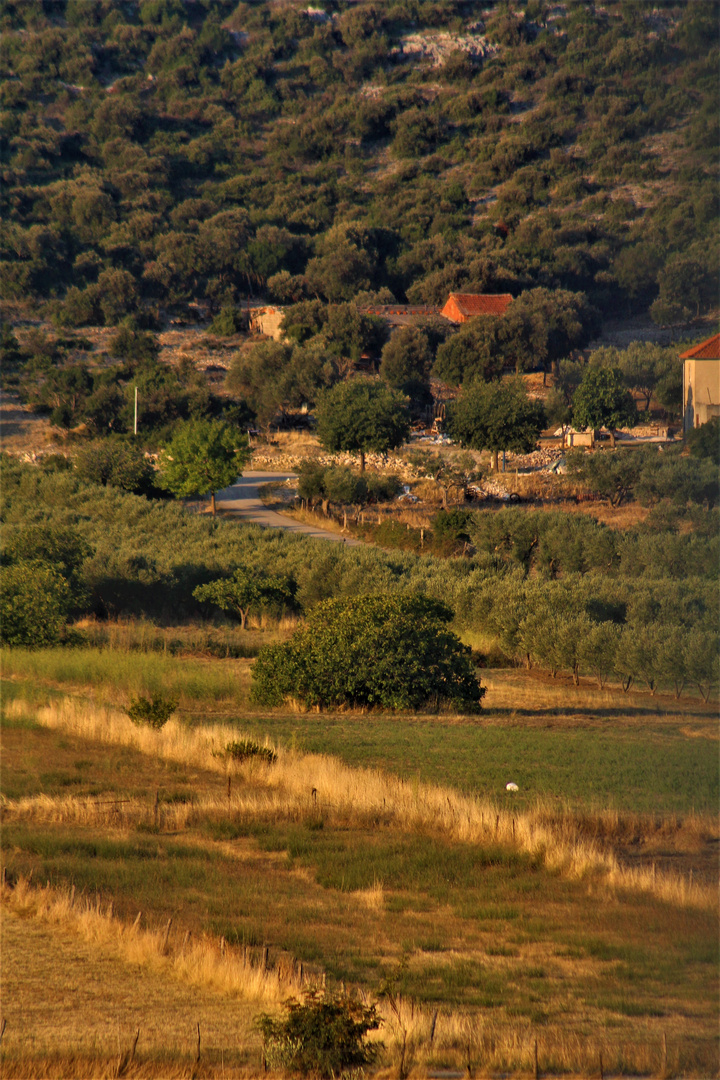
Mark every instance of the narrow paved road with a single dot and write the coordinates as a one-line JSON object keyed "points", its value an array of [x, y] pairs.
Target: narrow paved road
{"points": [[243, 501]]}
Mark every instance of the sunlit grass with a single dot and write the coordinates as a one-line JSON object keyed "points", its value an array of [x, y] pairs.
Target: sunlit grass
{"points": [[117, 675]]}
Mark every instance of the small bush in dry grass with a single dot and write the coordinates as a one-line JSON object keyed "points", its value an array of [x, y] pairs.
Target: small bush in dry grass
{"points": [[243, 751], [155, 711], [320, 1036]]}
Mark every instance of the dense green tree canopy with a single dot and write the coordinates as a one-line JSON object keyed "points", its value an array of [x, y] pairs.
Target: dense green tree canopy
{"points": [[244, 591], [34, 603], [362, 415], [388, 651], [223, 166], [204, 455], [496, 416], [602, 400]]}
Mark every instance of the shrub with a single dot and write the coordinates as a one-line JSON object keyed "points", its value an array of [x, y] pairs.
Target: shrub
{"points": [[704, 442], [155, 711], [322, 1036], [389, 651], [34, 601], [243, 751], [226, 323]]}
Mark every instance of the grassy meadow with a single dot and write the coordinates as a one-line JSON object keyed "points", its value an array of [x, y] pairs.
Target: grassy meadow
{"points": [[378, 851]]}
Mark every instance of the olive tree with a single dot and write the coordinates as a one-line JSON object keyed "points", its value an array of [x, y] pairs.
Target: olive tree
{"points": [[243, 591], [602, 400], [204, 455], [362, 415], [495, 417]]}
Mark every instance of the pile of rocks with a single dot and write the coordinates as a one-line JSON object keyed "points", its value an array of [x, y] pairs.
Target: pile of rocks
{"points": [[438, 47], [281, 461], [538, 459]]}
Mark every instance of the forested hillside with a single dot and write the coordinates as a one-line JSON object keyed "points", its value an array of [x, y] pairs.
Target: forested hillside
{"points": [[166, 151]]}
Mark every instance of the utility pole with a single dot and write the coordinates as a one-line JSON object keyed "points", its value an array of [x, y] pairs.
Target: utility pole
{"points": [[135, 425]]}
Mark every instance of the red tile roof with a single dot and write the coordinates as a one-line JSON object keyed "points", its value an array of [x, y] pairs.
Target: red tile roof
{"points": [[706, 350], [482, 304]]}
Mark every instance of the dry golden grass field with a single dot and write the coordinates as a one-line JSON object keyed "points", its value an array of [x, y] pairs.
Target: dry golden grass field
{"points": [[153, 883]]}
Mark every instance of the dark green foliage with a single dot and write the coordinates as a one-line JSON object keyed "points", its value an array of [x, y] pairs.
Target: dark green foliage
{"points": [[274, 377], [542, 326], [452, 525], [34, 602], [704, 442], [130, 555], [612, 475], [60, 546], [406, 359], [246, 590], [117, 462], [133, 344], [202, 456], [602, 400], [342, 485], [155, 711], [362, 415], [246, 750], [644, 366], [494, 416], [388, 651], [321, 1036], [650, 475], [477, 351], [226, 323], [216, 170]]}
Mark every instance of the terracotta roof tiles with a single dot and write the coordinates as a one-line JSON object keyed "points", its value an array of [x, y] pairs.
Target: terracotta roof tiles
{"points": [[706, 350], [482, 304]]}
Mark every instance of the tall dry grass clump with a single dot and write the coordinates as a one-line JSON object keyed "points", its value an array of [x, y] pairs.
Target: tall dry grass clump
{"points": [[202, 962], [298, 784]]}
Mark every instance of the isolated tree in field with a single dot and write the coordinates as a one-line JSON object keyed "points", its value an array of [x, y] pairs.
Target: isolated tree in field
{"points": [[394, 652], [322, 1036], [245, 590], [602, 400], [495, 417], [362, 415], [204, 455]]}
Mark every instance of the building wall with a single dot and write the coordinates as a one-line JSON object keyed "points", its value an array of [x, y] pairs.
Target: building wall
{"points": [[267, 321], [701, 392]]}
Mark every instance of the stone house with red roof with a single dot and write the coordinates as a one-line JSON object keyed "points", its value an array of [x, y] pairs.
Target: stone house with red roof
{"points": [[701, 383], [460, 307]]}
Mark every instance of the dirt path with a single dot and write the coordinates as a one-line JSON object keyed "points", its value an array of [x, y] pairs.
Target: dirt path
{"points": [[22, 431], [242, 500]]}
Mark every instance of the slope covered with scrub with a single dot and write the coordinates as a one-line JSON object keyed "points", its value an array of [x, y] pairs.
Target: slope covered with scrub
{"points": [[163, 151]]}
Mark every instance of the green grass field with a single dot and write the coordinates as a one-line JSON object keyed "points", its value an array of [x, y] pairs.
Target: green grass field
{"points": [[580, 747], [502, 948]]}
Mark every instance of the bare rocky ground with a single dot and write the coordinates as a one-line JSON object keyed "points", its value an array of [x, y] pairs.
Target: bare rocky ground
{"points": [[24, 433]]}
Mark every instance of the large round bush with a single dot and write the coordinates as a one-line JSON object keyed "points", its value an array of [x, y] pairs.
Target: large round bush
{"points": [[393, 652]]}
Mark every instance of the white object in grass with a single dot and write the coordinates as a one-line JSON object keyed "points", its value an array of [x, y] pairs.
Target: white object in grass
{"points": [[511, 787]]}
